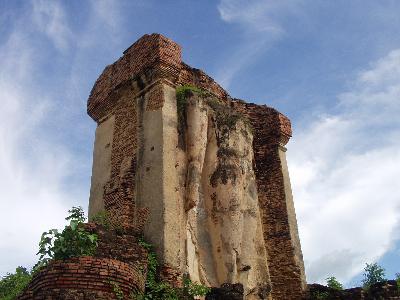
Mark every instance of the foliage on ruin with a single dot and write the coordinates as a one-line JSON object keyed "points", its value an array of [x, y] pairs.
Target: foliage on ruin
{"points": [[156, 289], [73, 241], [223, 172], [119, 294], [318, 295], [102, 218], [12, 284], [225, 116], [373, 273], [183, 93], [333, 283]]}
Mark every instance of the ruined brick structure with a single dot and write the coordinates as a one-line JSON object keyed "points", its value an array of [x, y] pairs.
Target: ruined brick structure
{"points": [[134, 104], [203, 176]]}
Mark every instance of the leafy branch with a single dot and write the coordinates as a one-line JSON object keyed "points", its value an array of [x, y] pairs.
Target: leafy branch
{"points": [[73, 241]]}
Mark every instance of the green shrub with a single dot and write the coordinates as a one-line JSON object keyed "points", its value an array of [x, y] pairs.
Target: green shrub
{"points": [[117, 290], [318, 295], [102, 218], [193, 289], [159, 290], [373, 273], [73, 241], [334, 284], [183, 92], [12, 285]]}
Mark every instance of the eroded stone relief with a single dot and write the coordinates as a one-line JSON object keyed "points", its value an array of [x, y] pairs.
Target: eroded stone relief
{"points": [[224, 235]]}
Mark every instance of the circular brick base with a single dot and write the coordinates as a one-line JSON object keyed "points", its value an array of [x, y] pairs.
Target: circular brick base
{"points": [[84, 278]]}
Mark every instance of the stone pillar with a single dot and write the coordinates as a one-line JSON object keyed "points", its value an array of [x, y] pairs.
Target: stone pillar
{"points": [[156, 180], [113, 101], [101, 170]]}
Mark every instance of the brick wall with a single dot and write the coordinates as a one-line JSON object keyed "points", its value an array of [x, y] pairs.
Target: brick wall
{"points": [[119, 192], [150, 58], [84, 274], [149, 52]]}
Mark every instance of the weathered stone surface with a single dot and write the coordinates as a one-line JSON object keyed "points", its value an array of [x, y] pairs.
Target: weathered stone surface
{"points": [[225, 238], [101, 171], [156, 179]]}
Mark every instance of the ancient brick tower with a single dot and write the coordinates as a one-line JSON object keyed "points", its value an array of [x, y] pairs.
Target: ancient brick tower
{"points": [[205, 176]]}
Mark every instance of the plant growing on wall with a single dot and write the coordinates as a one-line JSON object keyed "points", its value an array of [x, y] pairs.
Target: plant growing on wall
{"points": [[183, 92], [73, 241], [117, 290], [318, 295], [159, 290], [102, 218]]}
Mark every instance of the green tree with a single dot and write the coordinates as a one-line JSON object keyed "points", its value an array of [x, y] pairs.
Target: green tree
{"points": [[12, 285], [333, 283], [373, 273]]}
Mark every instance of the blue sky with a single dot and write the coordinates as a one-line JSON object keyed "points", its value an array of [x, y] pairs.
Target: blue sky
{"points": [[333, 67]]}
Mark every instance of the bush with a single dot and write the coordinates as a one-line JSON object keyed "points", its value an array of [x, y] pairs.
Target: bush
{"points": [[182, 94], [373, 273], [12, 285], [159, 290], [73, 241], [102, 218], [318, 295], [334, 284]]}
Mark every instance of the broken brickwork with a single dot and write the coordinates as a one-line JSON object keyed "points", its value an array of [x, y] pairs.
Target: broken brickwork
{"points": [[118, 194], [119, 91], [95, 275]]}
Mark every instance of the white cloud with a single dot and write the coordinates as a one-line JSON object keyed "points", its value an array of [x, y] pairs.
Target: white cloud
{"points": [[260, 15], [344, 171], [107, 12], [261, 23], [36, 165], [238, 59], [32, 169], [49, 17]]}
